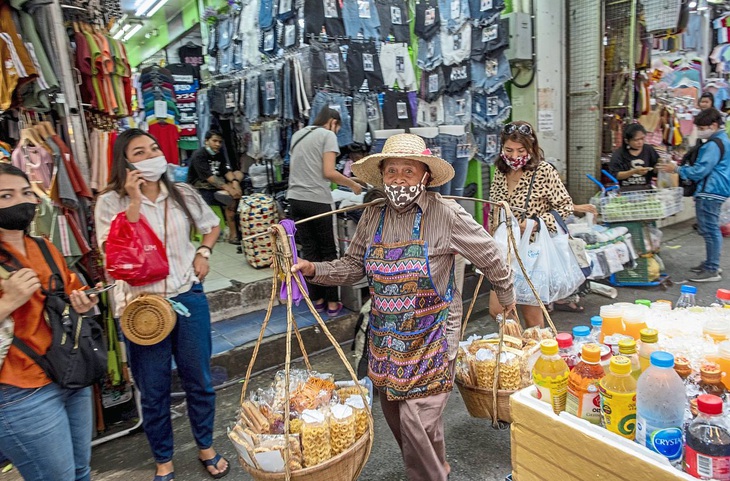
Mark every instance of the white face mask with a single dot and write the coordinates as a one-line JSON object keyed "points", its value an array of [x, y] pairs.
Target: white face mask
{"points": [[403, 195], [705, 134], [152, 169]]}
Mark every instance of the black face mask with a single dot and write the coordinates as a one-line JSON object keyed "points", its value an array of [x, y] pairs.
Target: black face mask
{"points": [[17, 217]]}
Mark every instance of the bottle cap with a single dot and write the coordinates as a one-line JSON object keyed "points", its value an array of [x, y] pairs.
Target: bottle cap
{"points": [[627, 346], [662, 359], [581, 331], [549, 347], [565, 340], [649, 335], [591, 353], [723, 294], [643, 302], [596, 321], [709, 404], [688, 290], [620, 365], [610, 311]]}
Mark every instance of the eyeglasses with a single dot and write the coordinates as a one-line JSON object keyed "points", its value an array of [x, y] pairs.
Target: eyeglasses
{"points": [[511, 128]]}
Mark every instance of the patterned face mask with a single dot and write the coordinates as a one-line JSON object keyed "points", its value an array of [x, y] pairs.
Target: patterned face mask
{"points": [[516, 163], [403, 195]]}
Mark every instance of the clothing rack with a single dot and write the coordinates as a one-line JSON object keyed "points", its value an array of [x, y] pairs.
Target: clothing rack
{"points": [[240, 74]]}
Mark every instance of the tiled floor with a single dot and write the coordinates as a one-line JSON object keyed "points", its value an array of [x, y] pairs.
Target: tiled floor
{"points": [[226, 264], [243, 329]]}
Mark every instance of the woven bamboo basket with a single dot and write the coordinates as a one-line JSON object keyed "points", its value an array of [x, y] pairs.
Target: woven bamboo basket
{"points": [[494, 403], [347, 465]]}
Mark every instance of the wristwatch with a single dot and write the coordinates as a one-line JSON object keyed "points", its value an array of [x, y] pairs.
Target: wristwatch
{"points": [[204, 252]]}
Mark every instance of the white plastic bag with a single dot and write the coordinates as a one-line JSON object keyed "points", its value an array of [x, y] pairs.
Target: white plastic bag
{"points": [[501, 234], [537, 266], [567, 263]]}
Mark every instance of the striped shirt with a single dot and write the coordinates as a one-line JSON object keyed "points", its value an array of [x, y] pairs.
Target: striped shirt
{"points": [[176, 237], [448, 229]]}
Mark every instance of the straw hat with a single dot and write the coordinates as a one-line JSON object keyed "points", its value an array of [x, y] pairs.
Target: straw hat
{"points": [[403, 146], [148, 319]]}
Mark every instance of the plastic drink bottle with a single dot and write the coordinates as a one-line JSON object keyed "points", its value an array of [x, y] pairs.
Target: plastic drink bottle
{"points": [[583, 400], [581, 335], [550, 376], [596, 334], [649, 339], [612, 321], [660, 404], [686, 297], [707, 454], [567, 350], [634, 321], [618, 398], [627, 347], [717, 329], [723, 359]]}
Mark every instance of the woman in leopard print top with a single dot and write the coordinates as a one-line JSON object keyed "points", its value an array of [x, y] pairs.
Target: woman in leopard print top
{"points": [[521, 163]]}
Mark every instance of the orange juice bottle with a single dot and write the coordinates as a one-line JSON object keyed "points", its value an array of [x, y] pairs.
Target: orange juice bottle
{"points": [[583, 400], [612, 321], [723, 359], [634, 322], [550, 376]]}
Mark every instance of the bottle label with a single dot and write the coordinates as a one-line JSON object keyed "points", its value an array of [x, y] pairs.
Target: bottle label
{"points": [[706, 467], [585, 405], [619, 412], [552, 389], [667, 442]]}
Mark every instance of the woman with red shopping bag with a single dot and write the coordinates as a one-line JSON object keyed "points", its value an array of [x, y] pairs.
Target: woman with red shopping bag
{"points": [[143, 210]]}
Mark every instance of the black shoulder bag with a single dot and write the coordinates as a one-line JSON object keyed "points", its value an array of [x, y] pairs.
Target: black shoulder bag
{"points": [[690, 186], [77, 357]]}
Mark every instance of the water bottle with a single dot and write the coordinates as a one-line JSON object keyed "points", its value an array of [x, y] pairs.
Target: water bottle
{"points": [[687, 297], [581, 335], [596, 336], [660, 405]]}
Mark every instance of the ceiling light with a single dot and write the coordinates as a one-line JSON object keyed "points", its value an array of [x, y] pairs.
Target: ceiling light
{"points": [[692, 5], [144, 7], [120, 33], [154, 9], [131, 32]]}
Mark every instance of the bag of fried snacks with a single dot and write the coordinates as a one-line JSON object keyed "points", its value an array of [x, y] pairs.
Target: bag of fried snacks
{"points": [[342, 428], [482, 344], [463, 368], [537, 334], [276, 444], [360, 413], [510, 377], [315, 438], [297, 378], [253, 418], [244, 440], [485, 361], [530, 355]]}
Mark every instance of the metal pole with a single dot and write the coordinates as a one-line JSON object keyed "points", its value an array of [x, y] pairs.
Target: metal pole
{"points": [[75, 126], [632, 58]]}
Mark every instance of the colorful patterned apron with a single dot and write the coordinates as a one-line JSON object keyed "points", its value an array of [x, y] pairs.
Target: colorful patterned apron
{"points": [[408, 351]]}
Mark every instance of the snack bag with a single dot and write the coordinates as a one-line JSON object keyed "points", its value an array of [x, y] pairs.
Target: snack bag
{"points": [[315, 438], [485, 363], [361, 414], [342, 428], [510, 377]]}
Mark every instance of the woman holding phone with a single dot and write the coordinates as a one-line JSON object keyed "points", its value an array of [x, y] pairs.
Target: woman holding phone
{"points": [[633, 163]]}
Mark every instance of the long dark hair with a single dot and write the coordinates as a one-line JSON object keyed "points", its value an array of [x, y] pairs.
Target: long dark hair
{"points": [[118, 173], [10, 169], [529, 142]]}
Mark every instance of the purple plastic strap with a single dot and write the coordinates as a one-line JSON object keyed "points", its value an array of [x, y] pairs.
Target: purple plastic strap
{"points": [[296, 295]]}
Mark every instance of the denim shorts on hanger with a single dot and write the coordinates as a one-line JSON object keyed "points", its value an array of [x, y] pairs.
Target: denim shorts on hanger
{"points": [[328, 67], [429, 53], [484, 12], [317, 17], [337, 102], [361, 19], [252, 104], [457, 109], [491, 74], [488, 141], [491, 109], [363, 63], [433, 85], [458, 77], [266, 14], [395, 61], [431, 114], [270, 139], [397, 112], [270, 88], [394, 20], [456, 46], [428, 19], [454, 14]]}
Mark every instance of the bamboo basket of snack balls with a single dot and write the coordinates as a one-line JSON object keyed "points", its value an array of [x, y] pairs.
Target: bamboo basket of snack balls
{"points": [[304, 426], [490, 369]]}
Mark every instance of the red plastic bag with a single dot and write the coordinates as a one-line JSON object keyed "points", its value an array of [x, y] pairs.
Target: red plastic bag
{"points": [[134, 253]]}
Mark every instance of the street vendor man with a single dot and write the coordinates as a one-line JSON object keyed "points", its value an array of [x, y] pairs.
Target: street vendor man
{"points": [[406, 248]]}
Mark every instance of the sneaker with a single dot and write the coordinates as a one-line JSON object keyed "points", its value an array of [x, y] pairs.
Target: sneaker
{"points": [[701, 267], [707, 276]]}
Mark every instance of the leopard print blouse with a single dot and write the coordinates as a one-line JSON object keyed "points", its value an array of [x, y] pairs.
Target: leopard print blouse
{"points": [[548, 193]]}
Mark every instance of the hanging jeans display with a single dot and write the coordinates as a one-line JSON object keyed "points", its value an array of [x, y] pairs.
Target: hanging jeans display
{"points": [[454, 14], [323, 14], [363, 64], [365, 110], [490, 74], [397, 112], [455, 151], [270, 88], [433, 85], [328, 67], [336, 102], [394, 19], [395, 60], [252, 98], [488, 142], [457, 109], [270, 139], [484, 12], [431, 114], [491, 109], [361, 19], [428, 19], [429, 53]]}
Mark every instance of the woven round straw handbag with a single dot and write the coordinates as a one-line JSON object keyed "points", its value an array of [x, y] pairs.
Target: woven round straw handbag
{"points": [[148, 319]]}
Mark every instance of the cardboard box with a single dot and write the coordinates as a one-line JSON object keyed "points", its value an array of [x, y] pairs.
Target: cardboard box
{"points": [[565, 448]]}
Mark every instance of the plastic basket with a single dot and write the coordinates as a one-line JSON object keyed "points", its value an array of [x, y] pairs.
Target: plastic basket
{"points": [[638, 275], [641, 205], [639, 235]]}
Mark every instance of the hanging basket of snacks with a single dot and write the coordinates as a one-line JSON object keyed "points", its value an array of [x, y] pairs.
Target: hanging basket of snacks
{"points": [[306, 426], [490, 369]]}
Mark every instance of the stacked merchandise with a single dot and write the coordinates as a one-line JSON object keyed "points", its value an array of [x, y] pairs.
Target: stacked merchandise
{"points": [[162, 115], [610, 250], [186, 87]]}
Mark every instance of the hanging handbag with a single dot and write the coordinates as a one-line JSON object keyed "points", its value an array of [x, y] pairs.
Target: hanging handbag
{"points": [[577, 246]]}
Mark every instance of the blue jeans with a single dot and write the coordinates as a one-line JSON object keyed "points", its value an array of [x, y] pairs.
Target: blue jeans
{"points": [[270, 139], [457, 109], [336, 102], [378, 145], [46, 432], [485, 16], [430, 55], [190, 344], [288, 113], [449, 153], [266, 14], [252, 98], [491, 109], [490, 74], [270, 88], [357, 21], [203, 115], [488, 142], [708, 225], [454, 14]]}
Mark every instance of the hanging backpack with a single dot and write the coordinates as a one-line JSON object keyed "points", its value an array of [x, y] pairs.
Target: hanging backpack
{"points": [[77, 357], [690, 186]]}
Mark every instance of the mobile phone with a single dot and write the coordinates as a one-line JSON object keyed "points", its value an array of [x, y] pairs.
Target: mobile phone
{"points": [[131, 166], [95, 291]]}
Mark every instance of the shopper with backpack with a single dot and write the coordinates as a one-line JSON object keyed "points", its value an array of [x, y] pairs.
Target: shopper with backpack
{"points": [[711, 173], [46, 426]]}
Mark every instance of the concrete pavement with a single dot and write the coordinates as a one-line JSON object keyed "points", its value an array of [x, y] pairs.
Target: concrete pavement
{"points": [[475, 450]]}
